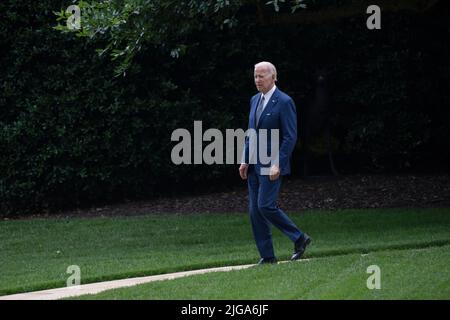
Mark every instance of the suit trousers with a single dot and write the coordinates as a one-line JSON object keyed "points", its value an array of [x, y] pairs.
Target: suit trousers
{"points": [[264, 211]]}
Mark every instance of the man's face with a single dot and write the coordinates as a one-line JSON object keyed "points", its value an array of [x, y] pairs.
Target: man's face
{"points": [[264, 80]]}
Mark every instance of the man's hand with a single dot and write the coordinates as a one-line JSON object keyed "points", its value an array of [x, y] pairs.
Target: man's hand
{"points": [[274, 173], [243, 171]]}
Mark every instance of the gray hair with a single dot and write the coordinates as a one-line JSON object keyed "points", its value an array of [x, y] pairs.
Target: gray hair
{"points": [[269, 66]]}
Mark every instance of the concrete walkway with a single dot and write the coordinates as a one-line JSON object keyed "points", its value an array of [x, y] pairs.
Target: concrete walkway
{"points": [[94, 288]]}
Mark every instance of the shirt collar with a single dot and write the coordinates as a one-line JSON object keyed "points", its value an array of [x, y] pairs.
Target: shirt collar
{"points": [[269, 93]]}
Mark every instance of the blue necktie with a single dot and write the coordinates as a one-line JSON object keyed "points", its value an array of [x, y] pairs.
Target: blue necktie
{"points": [[259, 110]]}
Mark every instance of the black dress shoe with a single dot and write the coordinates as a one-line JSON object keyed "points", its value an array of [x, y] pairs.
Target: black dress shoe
{"points": [[300, 246], [267, 261]]}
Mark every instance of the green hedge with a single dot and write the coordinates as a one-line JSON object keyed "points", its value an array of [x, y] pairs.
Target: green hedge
{"points": [[72, 135]]}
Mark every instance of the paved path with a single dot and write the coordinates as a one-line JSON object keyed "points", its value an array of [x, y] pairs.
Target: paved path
{"points": [[93, 288]]}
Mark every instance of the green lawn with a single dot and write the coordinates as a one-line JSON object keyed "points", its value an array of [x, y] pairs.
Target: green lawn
{"points": [[404, 274], [35, 254]]}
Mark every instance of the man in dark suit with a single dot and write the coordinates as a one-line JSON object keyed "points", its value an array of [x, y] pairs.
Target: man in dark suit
{"points": [[274, 111]]}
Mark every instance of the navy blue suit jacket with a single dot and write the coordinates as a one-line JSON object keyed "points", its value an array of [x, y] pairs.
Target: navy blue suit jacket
{"points": [[279, 113]]}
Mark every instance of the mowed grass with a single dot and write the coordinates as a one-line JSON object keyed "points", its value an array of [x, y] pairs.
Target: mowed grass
{"points": [[35, 254], [404, 274]]}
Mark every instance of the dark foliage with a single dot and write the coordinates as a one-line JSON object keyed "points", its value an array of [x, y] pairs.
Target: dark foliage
{"points": [[72, 134]]}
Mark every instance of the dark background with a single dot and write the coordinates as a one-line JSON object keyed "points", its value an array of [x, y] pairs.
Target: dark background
{"points": [[72, 134]]}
